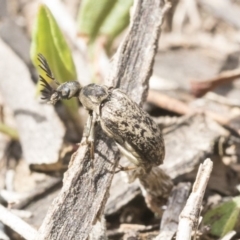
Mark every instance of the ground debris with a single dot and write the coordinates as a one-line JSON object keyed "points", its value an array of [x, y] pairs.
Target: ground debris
{"points": [[193, 95]]}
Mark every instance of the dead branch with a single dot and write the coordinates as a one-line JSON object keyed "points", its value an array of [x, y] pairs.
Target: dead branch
{"points": [[179, 107], [199, 88], [168, 103], [84, 194], [17, 224], [190, 214], [175, 205]]}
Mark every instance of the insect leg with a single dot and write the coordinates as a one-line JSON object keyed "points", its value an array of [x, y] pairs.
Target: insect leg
{"points": [[88, 134], [128, 168], [91, 141], [91, 135], [87, 128]]}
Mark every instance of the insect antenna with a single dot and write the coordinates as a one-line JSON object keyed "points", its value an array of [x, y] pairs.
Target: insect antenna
{"points": [[47, 90], [45, 67]]}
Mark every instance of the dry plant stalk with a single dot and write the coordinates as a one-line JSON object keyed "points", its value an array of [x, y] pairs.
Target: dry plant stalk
{"points": [[170, 218], [177, 106], [83, 196], [168, 103], [17, 224], [190, 214], [199, 88]]}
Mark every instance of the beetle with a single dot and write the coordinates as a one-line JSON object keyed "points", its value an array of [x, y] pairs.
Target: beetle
{"points": [[137, 136]]}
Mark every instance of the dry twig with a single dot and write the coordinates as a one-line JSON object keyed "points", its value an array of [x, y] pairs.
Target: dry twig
{"points": [[17, 224], [190, 214], [168, 103], [175, 205], [179, 107], [200, 88]]}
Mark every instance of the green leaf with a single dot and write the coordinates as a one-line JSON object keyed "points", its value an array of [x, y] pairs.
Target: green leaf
{"points": [[11, 132], [223, 218], [48, 40], [117, 20], [91, 16]]}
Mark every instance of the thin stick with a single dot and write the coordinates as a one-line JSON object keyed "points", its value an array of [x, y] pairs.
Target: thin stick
{"points": [[199, 88], [176, 202], [177, 106], [229, 235], [190, 214], [168, 103], [17, 224]]}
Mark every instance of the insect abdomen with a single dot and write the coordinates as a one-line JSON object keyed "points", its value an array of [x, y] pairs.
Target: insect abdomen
{"points": [[123, 120]]}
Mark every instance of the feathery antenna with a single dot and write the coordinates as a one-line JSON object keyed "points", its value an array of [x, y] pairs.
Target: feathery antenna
{"points": [[47, 90]]}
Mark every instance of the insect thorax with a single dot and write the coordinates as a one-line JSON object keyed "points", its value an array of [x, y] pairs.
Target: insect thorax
{"points": [[92, 96]]}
